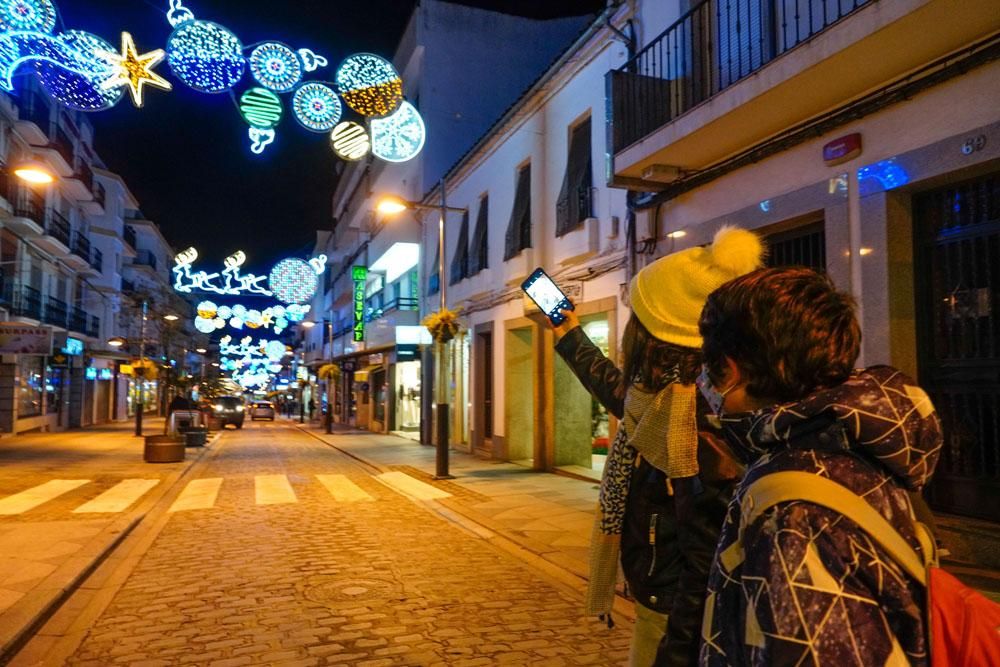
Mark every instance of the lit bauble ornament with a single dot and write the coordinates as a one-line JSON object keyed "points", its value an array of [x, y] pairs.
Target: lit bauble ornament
{"points": [[400, 136], [27, 15], [76, 90], [316, 107], [293, 280], [260, 108], [350, 141], [275, 66], [370, 85], [206, 56]]}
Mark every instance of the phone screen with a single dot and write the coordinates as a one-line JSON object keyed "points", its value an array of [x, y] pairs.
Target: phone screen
{"points": [[544, 292]]}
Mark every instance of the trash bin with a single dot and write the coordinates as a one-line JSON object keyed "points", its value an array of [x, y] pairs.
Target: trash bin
{"points": [[182, 420], [163, 449], [196, 437]]}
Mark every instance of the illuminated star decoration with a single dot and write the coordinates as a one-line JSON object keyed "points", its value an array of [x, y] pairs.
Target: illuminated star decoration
{"points": [[134, 70]]}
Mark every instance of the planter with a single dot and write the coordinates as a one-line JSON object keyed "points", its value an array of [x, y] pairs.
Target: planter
{"points": [[196, 437], [163, 449]]}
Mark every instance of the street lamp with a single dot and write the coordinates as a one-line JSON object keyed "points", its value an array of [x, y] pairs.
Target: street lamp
{"points": [[33, 172], [170, 317], [391, 206]]}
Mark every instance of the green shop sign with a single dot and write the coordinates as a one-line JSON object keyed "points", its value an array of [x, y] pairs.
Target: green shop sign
{"points": [[360, 276]]}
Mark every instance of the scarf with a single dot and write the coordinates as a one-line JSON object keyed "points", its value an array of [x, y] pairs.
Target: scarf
{"points": [[662, 428]]}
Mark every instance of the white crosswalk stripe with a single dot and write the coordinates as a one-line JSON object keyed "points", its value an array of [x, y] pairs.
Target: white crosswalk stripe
{"points": [[199, 494], [35, 496], [343, 490], [411, 486], [119, 497], [273, 490]]}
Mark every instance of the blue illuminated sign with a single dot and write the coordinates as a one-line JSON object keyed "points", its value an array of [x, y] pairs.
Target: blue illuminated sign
{"points": [[105, 374], [90, 373], [73, 347]]}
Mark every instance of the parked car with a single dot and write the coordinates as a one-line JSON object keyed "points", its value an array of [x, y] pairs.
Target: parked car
{"points": [[262, 410], [228, 410]]}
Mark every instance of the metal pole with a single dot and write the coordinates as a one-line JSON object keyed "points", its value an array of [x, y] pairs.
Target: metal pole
{"points": [[141, 374], [329, 381], [443, 436]]}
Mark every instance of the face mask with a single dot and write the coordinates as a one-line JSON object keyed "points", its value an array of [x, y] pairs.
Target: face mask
{"points": [[715, 398]]}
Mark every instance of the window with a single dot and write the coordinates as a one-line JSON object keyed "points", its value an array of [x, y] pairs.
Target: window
{"points": [[479, 251], [460, 262], [804, 245], [519, 227], [573, 205]]}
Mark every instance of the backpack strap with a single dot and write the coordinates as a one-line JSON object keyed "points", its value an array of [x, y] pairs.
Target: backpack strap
{"points": [[787, 486]]}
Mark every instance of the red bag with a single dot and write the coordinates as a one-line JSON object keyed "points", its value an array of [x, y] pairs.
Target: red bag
{"points": [[964, 625]]}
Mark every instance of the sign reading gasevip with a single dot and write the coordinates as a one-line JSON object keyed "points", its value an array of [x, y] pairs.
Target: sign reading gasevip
{"points": [[25, 339]]}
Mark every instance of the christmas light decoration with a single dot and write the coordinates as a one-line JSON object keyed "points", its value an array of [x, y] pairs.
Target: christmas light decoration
{"points": [[205, 56], [369, 85], [211, 317], [316, 107], [293, 280], [134, 70], [275, 66], [76, 89], [233, 282], [260, 108], [312, 61], [350, 141], [400, 136], [260, 139], [27, 15]]}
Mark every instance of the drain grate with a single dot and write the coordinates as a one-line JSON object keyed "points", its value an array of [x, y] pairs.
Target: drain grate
{"points": [[336, 592]]}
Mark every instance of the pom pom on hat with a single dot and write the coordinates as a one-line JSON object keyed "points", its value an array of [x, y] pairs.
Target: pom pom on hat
{"points": [[667, 296]]}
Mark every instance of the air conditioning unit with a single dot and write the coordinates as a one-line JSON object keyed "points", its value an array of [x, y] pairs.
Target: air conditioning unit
{"points": [[580, 244]]}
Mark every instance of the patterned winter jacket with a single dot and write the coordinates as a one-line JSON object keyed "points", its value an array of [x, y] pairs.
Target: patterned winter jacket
{"points": [[807, 586]]}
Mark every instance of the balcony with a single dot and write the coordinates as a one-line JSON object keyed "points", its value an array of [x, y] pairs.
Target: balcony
{"points": [[80, 251], [129, 235], [145, 258], [97, 260], [78, 320], [55, 313], [27, 205], [688, 101], [25, 301], [81, 185], [58, 153], [57, 234], [93, 326], [96, 205], [34, 115]]}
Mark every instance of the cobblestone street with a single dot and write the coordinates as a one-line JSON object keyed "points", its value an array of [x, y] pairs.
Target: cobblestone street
{"points": [[281, 550]]}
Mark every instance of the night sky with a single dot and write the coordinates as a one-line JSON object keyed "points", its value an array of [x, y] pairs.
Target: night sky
{"points": [[185, 154]]}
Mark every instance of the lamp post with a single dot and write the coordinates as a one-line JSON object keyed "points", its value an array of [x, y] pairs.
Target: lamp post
{"points": [[140, 372], [391, 206], [330, 393]]}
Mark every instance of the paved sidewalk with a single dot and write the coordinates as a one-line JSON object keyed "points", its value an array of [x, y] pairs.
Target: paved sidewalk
{"points": [[551, 515], [44, 555]]}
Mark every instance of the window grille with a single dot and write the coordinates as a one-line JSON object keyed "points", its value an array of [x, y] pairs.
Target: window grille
{"points": [[573, 205], [802, 246]]}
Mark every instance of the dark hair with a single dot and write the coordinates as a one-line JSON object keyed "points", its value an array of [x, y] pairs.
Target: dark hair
{"points": [[788, 329], [650, 362]]}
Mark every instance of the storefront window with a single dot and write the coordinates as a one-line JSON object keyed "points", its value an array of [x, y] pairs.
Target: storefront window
{"points": [[408, 396], [378, 395], [30, 385]]}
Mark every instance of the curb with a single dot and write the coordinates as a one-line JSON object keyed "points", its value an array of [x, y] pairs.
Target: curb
{"points": [[23, 620], [468, 520]]}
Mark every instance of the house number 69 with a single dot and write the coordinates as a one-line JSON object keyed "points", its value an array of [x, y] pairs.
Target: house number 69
{"points": [[974, 144]]}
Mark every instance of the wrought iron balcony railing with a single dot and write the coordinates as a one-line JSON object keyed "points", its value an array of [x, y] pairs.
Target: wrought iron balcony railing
{"points": [[129, 235], [55, 312], [78, 320], [58, 227], [97, 260], [711, 47], [81, 246], [26, 301]]}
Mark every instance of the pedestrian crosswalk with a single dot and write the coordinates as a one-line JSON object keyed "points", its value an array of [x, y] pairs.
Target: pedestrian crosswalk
{"points": [[203, 493]]}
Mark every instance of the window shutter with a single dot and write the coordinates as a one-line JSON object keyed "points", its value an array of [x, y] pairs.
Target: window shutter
{"points": [[519, 227], [480, 240], [460, 262], [573, 205]]}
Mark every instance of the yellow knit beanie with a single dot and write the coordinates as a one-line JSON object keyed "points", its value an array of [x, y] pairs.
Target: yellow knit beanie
{"points": [[667, 296]]}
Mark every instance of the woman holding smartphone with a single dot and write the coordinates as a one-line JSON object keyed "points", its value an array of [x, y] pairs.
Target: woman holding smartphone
{"points": [[669, 476]]}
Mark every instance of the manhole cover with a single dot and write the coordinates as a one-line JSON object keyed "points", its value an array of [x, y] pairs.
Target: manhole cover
{"points": [[339, 591]]}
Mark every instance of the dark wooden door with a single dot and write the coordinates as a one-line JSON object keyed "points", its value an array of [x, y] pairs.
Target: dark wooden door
{"points": [[957, 247]]}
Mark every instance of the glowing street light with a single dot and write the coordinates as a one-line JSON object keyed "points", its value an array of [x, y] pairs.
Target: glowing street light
{"points": [[307, 324], [201, 350], [33, 172], [170, 317], [391, 205], [116, 342]]}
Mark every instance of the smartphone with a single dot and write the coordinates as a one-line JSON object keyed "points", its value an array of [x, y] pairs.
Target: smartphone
{"points": [[544, 292]]}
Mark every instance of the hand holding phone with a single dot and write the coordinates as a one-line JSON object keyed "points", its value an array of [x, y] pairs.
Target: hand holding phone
{"points": [[547, 295]]}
